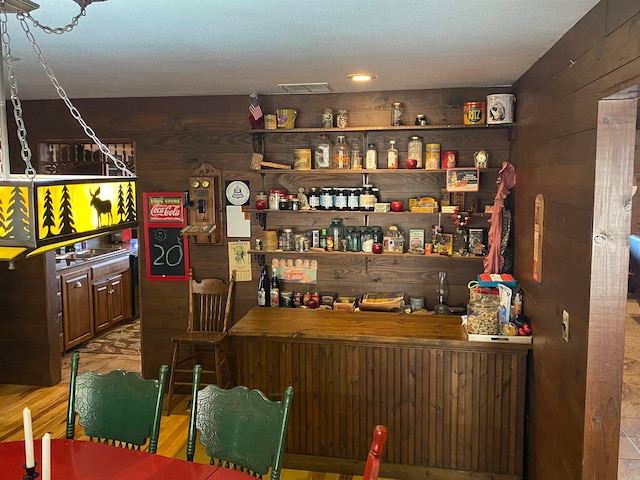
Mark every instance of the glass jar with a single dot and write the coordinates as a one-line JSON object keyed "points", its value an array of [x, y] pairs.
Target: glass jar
{"points": [[353, 199], [340, 199], [342, 119], [356, 160], [421, 120], [314, 198], [397, 111], [414, 150], [367, 199], [366, 239], [323, 152], [326, 198], [482, 317], [327, 118], [353, 236], [377, 235], [287, 240], [341, 153], [371, 157], [336, 230]]}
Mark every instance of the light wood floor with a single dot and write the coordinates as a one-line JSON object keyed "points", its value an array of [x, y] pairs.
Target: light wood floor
{"points": [[49, 407]]}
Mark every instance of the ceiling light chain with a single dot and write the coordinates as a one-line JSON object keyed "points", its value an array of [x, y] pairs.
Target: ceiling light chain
{"points": [[59, 30], [25, 151]]}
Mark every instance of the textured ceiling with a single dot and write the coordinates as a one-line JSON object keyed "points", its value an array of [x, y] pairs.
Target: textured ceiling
{"points": [[134, 48]]}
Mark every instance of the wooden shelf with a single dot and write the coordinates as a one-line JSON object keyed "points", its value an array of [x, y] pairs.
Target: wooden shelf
{"points": [[379, 171], [364, 254], [381, 128], [335, 213]]}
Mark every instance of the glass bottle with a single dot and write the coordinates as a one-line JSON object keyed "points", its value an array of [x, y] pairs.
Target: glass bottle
{"points": [[323, 239], [336, 230], [414, 150], [342, 119], [340, 199], [354, 239], [371, 157], [356, 160], [353, 199], [287, 240], [263, 288], [274, 290], [442, 292], [326, 198], [396, 114], [341, 153], [323, 152], [366, 239], [392, 155]]}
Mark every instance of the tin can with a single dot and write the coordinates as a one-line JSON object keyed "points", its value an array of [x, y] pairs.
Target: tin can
{"points": [[474, 113], [500, 108], [449, 158], [306, 297], [270, 122], [297, 299], [270, 240], [432, 156]]}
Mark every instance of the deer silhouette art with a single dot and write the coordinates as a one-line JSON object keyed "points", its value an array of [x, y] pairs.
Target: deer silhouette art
{"points": [[103, 207]]}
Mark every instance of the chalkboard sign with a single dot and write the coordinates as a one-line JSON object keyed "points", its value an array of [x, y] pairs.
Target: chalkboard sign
{"points": [[167, 251], [167, 254]]}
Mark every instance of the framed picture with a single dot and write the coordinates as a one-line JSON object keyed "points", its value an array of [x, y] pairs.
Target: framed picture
{"points": [[463, 180]]}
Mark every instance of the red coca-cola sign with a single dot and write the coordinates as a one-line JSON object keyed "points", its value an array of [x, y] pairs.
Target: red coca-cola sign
{"points": [[165, 210]]}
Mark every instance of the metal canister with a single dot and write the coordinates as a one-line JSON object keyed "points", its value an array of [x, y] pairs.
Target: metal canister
{"points": [[270, 240], [449, 158], [432, 156], [474, 113], [327, 118]]}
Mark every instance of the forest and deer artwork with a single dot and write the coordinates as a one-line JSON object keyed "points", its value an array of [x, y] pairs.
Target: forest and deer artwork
{"points": [[65, 209]]}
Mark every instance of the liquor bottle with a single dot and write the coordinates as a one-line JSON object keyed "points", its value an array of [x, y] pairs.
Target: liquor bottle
{"points": [[263, 288], [274, 291], [392, 156], [341, 153]]}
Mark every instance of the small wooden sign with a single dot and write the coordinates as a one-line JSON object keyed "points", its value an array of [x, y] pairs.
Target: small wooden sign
{"points": [[463, 180]]}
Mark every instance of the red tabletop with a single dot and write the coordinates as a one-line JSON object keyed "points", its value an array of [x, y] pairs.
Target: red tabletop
{"points": [[81, 460]]}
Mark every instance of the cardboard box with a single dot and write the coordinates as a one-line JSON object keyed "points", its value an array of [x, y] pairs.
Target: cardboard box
{"points": [[445, 245], [416, 238]]}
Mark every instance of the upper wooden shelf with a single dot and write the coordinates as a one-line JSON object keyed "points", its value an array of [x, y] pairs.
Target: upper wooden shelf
{"points": [[381, 128], [348, 171]]}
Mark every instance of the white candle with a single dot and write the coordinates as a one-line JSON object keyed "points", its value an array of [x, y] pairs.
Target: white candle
{"points": [[46, 456], [28, 438]]}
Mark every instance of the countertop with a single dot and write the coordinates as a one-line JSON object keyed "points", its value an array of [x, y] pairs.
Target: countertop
{"points": [[94, 254], [369, 327]]}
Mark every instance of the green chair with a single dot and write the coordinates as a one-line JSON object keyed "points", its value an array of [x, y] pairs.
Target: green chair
{"points": [[117, 408], [239, 427]]}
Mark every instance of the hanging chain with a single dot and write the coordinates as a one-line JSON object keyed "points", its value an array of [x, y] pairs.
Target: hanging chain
{"points": [[63, 95], [25, 151], [59, 30]]}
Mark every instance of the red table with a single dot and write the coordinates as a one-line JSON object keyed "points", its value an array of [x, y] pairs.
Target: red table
{"points": [[81, 460]]}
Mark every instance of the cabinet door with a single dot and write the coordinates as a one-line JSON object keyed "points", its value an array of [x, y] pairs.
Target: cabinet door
{"points": [[77, 311], [116, 299], [101, 307]]}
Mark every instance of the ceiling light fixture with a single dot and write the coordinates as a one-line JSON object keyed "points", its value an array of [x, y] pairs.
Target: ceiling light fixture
{"points": [[361, 77], [41, 211]]}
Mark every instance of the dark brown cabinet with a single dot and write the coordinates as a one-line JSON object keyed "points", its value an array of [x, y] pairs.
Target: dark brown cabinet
{"points": [[108, 302], [77, 307]]}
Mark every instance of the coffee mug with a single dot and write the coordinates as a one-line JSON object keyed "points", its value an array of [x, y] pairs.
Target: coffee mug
{"points": [[286, 117]]}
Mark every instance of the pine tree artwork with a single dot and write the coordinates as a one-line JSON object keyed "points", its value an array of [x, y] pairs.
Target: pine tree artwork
{"points": [[48, 215], [17, 225], [131, 203], [66, 214], [3, 225], [121, 204]]}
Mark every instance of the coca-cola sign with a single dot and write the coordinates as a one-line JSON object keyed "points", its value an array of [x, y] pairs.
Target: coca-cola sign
{"points": [[165, 210]]}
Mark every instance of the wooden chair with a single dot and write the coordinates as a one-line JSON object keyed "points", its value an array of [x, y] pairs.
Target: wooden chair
{"points": [[209, 310], [239, 427], [117, 408], [375, 453]]}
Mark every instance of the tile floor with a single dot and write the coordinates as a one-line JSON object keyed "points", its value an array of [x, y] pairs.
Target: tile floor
{"points": [[629, 456]]}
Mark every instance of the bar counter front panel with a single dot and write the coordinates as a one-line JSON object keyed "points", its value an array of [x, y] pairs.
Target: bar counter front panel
{"points": [[448, 403]]}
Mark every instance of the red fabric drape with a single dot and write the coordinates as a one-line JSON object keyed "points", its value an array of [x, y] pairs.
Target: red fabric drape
{"points": [[494, 261]]}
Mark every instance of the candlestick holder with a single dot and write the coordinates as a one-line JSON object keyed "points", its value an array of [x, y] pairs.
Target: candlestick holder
{"points": [[31, 472]]}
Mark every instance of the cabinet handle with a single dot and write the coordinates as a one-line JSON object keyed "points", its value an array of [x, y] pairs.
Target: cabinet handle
{"points": [[77, 285], [110, 292]]}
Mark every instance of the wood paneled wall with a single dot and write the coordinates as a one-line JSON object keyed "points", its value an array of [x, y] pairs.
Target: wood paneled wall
{"points": [[575, 386], [175, 135], [445, 408]]}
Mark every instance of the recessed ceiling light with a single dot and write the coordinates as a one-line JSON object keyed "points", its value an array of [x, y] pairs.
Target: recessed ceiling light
{"points": [[361, 77]]}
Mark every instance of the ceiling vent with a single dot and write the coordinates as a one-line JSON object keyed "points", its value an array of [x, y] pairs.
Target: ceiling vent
{"points": [[305, 87]]}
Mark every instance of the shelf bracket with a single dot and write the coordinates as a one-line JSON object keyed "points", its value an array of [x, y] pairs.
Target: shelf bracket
{"points": [[259, 257], [262, 219]]}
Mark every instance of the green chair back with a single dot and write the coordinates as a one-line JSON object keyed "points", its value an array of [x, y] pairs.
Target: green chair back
{"points": [[118, 408], [240, 427]]}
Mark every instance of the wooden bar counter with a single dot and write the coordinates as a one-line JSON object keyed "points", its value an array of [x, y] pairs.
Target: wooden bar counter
{"points": [[448, 403]]}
